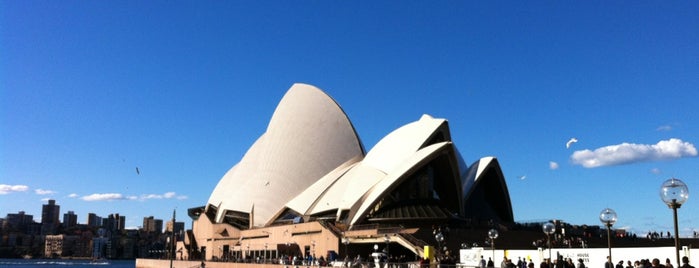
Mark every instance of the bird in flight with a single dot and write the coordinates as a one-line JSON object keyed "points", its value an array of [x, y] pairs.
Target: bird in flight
{"points": [[570, 142], [138, 172]]}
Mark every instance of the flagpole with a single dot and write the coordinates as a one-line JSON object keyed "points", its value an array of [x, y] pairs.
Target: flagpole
{"points": [[172, 238]]}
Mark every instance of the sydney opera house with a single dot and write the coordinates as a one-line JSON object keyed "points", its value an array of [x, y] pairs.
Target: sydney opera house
{"points": [[308, 187]]}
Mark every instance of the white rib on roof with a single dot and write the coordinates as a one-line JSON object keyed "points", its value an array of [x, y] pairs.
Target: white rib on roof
{"points": [[318, 197], [308, 136], [391, 180], [401, 143]]}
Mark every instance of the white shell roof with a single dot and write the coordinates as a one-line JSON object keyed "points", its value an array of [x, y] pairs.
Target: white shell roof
{"points": [[400, 144], [308, 136], [392, 179], [348, 187]]}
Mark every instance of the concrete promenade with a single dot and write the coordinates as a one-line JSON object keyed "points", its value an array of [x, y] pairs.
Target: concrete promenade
{"points": [[593, 257]]}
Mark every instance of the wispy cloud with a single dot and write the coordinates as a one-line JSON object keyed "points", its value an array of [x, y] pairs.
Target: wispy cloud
{"points": [[73, 195], [168, 195], [553, 165], [118, 196], [44, 192], [107, 197], [6, 189], [656, 171], [627, 153], [664, 128]]}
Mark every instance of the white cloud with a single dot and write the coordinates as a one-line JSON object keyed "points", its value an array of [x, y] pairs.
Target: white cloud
{"points": [[168, 195], [43, 192], [553, 165], [627, 153], [664, 128], [104, 197], [656, 171], [118, 196], [6, 189], [73, 195]]}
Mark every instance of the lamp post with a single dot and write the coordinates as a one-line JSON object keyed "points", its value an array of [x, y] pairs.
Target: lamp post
{"points": [[264, 258], [346, 242], [172, 246], [548, 229], [674, 193], [608, 217], [440, 238], [313, 252], [493, 234], [387, 240]]}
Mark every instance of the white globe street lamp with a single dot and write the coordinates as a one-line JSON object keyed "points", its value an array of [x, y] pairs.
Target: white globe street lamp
{"points": [[493, 234], [608, 217], [674, 193], [548, 229]]}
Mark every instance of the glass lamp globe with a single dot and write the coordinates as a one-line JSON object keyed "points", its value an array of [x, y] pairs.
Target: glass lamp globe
{"points": [[439, 237], [548, 228], [493, 234], [607, 216], [674, 192]]}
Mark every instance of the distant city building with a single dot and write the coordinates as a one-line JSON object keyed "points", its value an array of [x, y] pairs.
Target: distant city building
{"points": [[70, 219], [18, 221], [93, 220], [53, 246], [152, 225], [114, 222], [50, 217], [178, 228], [99, 247], [158, 226]]}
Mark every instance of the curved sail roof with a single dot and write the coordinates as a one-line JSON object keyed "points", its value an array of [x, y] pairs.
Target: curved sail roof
{"points": [[485, 192], [308, 136], [310, 162]]}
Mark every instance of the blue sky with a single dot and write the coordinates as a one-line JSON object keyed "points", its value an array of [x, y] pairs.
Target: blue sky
{"points": [[91, 90]]}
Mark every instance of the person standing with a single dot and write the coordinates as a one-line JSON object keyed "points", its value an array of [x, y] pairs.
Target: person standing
{"points": [[668, 264], [609, 263], [482, 263], [545, 264], [685, 263], [580, 264]]}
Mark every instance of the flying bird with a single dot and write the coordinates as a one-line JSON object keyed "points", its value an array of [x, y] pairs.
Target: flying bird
{"points": [[138, 172], [570, 142]]}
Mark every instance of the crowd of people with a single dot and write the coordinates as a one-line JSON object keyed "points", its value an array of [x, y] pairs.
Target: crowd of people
{"points": [[569, 263], [647, 263]]}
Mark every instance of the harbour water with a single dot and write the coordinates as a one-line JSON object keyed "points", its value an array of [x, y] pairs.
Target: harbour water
{"points": [[61, 263]]}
